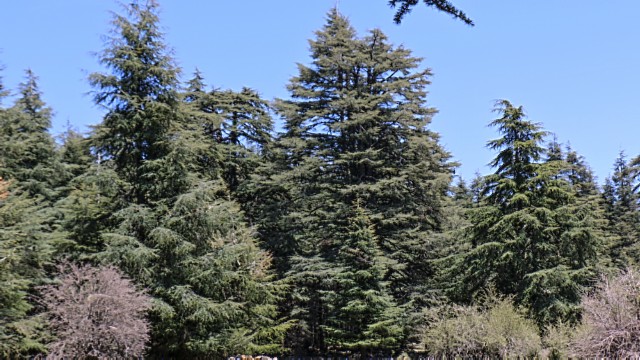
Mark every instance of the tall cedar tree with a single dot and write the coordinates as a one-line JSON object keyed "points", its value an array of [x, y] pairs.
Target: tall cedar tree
{"points": [[237, 125], [76, 161], [365, 314], [529, 236], [355, 130], [140, 95], [30, 173], [620, 194], [589, 204], [173, 227]]}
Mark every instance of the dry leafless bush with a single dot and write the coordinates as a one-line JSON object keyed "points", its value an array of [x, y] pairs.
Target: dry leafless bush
{"points": [[96, 313], [611, 319], [4, 188]]}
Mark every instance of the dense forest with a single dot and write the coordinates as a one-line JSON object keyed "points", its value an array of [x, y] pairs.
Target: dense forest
{"points": [[183, 225]]}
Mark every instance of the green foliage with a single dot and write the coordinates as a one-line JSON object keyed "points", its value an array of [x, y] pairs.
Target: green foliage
{"points": [[212, 283], [495, 330], [236, 125], [16, 278], [557, 339], [620, 194], [355, 131], [405, 7], [364, 315], [27, 150], [343, 235], [92, 198], [3, 91], [30, 174], [530, 237], [75, 153], [158, 199], [141, 98]]}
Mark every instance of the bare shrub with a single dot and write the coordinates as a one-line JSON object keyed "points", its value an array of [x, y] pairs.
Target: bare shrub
{"points": [[4, 188], [96, 313], [611, 319]]}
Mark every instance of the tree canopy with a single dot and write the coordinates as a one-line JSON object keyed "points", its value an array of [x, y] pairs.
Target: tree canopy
{"points": [[198, 222]]}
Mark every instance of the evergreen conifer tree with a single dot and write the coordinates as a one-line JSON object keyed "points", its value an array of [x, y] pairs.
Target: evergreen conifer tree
{"points": [[529, 237], [405, 7], [75, 153], [171, 224], [26, 147], [589, 204], [355, 129], [141, 97], [30, 173], [620, 194], [236, 125], [580, 174], [364, 318]]}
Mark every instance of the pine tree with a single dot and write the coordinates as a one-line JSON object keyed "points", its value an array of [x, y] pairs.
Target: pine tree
{"points": [[236, 124], [75, 153], [140, 94], [620, 194], [169, 221], [27, 150], [91, 199], [201, 124], [365, 318], [3, 91], [529, 237], [580, 174], [212, 283], [356, 129], [245, 130], [30, 171], [13, 304], [589, 204], [453, 240]]}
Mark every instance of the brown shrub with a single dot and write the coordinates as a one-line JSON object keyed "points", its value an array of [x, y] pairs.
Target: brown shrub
{"points": [[4, 188], [96, 313], [611, 319]]}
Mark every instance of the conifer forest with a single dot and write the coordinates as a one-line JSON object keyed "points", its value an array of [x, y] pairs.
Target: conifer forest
{"points": [[187, 225]]}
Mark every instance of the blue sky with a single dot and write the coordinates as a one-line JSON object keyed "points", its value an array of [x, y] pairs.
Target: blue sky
{"points": [[574, 65]]}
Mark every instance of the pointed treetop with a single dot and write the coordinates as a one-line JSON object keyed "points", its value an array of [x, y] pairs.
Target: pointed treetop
{"points": [[30, 96], [140, 62], [336, 29], [31, 104], [520, 144], [554, 150], [196, 83], [3, 93]]}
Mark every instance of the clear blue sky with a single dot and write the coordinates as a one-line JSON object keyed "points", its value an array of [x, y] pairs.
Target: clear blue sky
{"points": [[573, 64]]}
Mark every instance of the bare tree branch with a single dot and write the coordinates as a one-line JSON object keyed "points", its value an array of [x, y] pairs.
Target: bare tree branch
{"points": [[405, 7], [96, 312]]}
